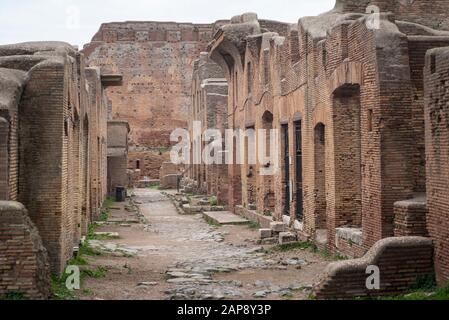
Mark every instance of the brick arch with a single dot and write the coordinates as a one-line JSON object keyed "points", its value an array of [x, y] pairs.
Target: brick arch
{"points": [[347, 73], [228, 58], [319, 115]]}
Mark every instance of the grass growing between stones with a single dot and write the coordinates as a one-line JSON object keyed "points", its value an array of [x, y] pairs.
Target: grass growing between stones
{"points": [[106, 209], [60, 290], [425, 288], [213, 201], [308, 246], [254, 225], [213, 223], [100, 272], [15, 295]]}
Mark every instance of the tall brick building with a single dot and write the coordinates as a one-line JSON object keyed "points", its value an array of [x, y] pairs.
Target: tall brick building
{"points": [[53, 115], [155, 60]]}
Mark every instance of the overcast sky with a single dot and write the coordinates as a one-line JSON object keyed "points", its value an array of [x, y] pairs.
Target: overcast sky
{"points": [[76, 21]]}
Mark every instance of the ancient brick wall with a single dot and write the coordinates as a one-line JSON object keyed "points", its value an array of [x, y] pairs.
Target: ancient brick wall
{"points": [[401, 261], [11, 84], [410, 217], [24, 265], [147, 163], [49, 158], [156, 61], [357, 95], [437, 153], [97, 140], [44, 134], [209, 109]]}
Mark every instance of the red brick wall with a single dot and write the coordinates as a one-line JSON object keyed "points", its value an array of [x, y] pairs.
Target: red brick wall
{"points": [[24, 265], [43, 161], [4, 155], [437, 153], [156, 61], [400, 260]]}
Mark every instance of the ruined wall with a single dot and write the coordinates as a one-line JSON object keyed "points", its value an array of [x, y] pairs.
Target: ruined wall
{"points": [[49, 160], [209, 109], [24, 265], [11, 87], [156, 61], [437, 152], [356, 95], [401, 262], [147, 164], [97, 141]]}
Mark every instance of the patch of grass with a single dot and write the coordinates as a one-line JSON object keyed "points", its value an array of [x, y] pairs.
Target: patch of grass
{"points": [[86, 250], [60, 291], [426, 282], [103, 237], [268, 214], [425, 288], [109, 202], [88, 292], [100, 272], [155, 187], [308, 246], [106, 208], [213, 223], [78, 261], [255, 225], [14, 295], [213, 201], [296, 246], [104, 216]]}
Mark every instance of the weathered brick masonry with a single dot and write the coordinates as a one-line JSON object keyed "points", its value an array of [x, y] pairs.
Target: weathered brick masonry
{"points": [[24, 266], [156, 61], [209, 111], [347, 96], [400, 260], [437, 151], [53, 115]]}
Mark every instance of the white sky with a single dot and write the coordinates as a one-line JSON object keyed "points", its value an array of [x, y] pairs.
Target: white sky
{"points": [[76, 21]]}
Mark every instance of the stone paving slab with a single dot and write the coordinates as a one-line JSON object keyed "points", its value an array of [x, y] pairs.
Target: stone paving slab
{"points": [[224, 218]]}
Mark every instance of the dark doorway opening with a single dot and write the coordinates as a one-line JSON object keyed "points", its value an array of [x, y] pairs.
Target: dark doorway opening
{"points": [[298, 169]]}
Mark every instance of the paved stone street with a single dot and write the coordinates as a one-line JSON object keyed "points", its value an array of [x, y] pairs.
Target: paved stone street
{"points": [[171, 256]]}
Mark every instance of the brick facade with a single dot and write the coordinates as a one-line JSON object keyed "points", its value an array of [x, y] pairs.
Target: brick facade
{"points": [[209, 110], [24, 265], [55, 109], [155, 61], [437, 153], [358, 102], [400, 261]]}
